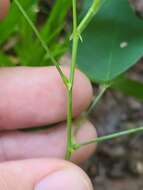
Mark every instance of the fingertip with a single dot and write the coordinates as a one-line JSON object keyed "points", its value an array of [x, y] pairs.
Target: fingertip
{"points": [[44, 174], [82, 92], [85, 133], [61, 179], [46, 102]]}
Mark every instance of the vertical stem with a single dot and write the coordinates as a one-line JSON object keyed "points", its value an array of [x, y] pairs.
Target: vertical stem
{"points": [[43, 43], [69, 127], [75, 43], [70, 144]]}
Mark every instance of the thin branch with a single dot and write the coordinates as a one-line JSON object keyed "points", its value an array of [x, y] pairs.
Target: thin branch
{"points": [[98, 98], [44, 45], [110, 137], [96, 5]]}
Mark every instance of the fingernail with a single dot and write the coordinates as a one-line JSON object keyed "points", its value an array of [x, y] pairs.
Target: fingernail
{"points": [[65, 179]]}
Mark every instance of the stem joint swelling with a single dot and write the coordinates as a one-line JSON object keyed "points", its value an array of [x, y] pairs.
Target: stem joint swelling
{"points": [[76, 146], [72, 148], [69, 86], [78, 36]]}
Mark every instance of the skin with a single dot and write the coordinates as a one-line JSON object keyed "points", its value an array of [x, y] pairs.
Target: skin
{"points": [[36, 96], [138, 7]]}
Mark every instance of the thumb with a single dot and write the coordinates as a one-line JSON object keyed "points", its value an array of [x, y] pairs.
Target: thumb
{"points": [[44, 174]]}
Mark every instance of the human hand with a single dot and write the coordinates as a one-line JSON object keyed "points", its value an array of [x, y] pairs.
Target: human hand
{"points": [[34, 97]]}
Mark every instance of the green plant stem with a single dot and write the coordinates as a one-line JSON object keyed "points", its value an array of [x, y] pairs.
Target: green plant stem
{"points": [[44, 45], [97, 99], [90, 14], [77, 30], [69, 127], [70, 87], [110, 137]]}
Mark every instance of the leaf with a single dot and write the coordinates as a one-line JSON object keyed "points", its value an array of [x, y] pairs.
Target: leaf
{"points": [[5, 61], [129, 87], [50, 32], [112, 43], [25, 33], [56, 18], [9, 25]]}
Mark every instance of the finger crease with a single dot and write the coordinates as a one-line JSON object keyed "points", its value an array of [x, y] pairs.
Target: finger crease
{"points": [[3, 154]]}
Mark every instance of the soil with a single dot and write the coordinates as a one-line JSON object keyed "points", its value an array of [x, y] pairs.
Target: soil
{"points": [[118, 164]]}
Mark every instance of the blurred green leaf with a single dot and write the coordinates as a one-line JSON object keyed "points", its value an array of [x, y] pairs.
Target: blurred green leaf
{"points": [[129, 87], [56, 18], [25, 33], [112, 43], [5, 60], [27, 48], [50, 32], [9, 25]]}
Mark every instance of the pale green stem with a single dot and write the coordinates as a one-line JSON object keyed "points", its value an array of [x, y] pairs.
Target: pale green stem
{"points": [[98, 98], [110, 137], [69, 148], [96, 5], [70, 87], [44, 45]]}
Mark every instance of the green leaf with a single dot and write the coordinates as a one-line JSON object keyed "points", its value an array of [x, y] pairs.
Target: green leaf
{"points": [[5, 61], [56, 18], [129, 87], [112, 43], [25, 33], [9, 25], [50, 32]]}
